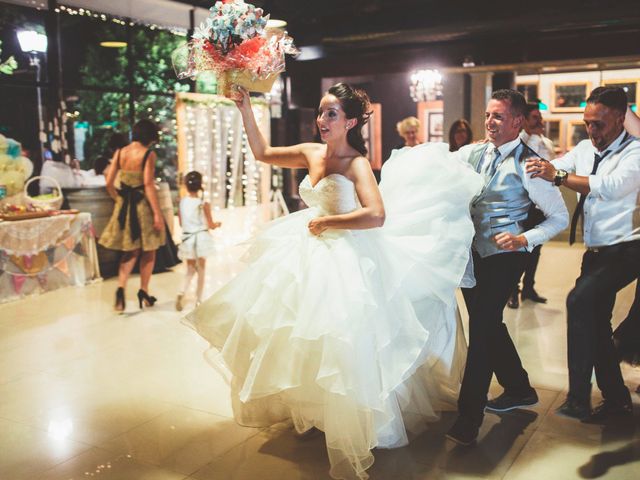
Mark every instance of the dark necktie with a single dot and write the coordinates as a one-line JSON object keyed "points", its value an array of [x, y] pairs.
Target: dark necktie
{"points": [[491, 168], [579, 212]]}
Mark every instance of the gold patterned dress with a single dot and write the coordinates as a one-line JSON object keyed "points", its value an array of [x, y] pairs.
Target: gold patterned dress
{"points": [[131, 224]]}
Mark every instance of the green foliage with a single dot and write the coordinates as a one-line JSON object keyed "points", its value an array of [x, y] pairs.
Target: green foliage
{"points": [[152, 72], [9, 65]]}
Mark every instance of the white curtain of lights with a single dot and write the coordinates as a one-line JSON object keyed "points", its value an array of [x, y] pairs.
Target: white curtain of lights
{"points": [[212, 141]]}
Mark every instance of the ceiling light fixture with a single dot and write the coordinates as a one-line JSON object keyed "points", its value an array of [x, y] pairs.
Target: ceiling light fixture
{"points": [[275, 23], [113, 44]]}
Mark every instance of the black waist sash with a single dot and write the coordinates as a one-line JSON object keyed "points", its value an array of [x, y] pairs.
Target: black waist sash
{"points": [[130, 198]]}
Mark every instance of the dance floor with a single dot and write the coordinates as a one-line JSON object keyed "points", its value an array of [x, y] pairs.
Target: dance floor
{"points": [[86, 393]]}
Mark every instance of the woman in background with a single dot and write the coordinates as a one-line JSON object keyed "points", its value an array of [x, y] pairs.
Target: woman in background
{"points": [[409, 128], [136, 226], [459, 135]]}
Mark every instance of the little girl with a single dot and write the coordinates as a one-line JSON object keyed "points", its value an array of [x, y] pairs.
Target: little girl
{"points": [[197, 244]]}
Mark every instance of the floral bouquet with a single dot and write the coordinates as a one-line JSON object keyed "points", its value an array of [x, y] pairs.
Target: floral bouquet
{"points": [[234, 43]]}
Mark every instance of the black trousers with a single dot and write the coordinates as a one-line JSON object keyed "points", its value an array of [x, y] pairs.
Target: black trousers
{"points": [[529, 277], [491, 349], [589, 308]]}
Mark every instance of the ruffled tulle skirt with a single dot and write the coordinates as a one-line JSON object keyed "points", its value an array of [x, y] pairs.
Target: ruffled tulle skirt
{"points": [[355, 333]]}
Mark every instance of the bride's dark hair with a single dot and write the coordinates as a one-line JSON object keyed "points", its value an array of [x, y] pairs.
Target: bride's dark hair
{"points": [[355, 103]]}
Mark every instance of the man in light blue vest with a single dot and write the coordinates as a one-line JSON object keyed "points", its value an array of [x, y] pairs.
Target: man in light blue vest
{"points": [[500, 252]]}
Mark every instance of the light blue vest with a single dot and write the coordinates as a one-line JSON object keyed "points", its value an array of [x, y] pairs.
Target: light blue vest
{"points": [[503, 204]]}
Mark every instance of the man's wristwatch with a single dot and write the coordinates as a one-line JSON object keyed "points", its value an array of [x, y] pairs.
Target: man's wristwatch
{"points": [[561, 176]]}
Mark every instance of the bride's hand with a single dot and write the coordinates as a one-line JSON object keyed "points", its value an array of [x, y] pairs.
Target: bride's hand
{"points": [[241, 98], [317, 226]]}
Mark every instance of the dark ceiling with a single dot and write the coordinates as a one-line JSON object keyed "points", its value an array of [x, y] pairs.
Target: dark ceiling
{"points": [[383, 23]]}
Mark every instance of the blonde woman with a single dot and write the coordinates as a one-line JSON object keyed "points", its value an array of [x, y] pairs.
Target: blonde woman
{"points": [[409, 129]]}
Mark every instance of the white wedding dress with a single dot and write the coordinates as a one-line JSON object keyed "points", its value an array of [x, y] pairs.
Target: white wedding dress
{"points": [[355, 332]]}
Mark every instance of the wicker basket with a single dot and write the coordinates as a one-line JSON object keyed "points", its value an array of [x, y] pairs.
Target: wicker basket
{"points": [[50, 203]]}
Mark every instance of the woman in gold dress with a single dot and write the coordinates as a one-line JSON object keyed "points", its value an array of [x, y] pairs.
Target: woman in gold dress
{"points": [[136, 226]]}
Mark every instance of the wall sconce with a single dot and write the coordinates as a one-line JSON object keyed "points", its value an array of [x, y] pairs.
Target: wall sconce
{"points": [[426, 85]]}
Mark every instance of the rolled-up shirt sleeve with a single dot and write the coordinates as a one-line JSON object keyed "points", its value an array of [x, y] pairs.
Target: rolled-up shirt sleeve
{"points": [[623, 180], [566, 162], [547, 198]]}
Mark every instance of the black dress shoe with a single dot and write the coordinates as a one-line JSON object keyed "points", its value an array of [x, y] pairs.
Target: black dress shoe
{"points": [[506, 402], [531, 294], [513, 300], [574, 409], [608, 410], [463, 432]]}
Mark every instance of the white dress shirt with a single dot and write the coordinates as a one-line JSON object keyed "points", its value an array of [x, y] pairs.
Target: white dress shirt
{"points": [[542, 193], [540, 144], [612, 208]]}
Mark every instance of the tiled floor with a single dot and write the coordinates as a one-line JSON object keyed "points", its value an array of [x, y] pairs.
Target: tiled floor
{"points": [[85, 393]]}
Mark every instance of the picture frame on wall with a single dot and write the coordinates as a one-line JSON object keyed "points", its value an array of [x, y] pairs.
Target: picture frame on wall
{"points": [[554, 131], [431, 119], [631, 86], [569, 96], [436, 127], [529, 90], [577, 133]]}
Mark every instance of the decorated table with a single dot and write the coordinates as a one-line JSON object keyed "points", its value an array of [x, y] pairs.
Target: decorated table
{"points": [[42, 254]]}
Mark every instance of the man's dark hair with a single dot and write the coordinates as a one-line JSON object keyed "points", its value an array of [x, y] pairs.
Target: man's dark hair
{"points": [[516, 100], [612, 97], [145, 132], [530, 107]]}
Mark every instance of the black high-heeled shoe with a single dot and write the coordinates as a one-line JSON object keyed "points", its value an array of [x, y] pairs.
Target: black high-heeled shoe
{"points": [[120, 303], [148, 300]]}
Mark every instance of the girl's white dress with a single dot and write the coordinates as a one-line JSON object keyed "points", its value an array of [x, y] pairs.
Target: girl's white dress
{"points": [[355, 332], [196, 239]]}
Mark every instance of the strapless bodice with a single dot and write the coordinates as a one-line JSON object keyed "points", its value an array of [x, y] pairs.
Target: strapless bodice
{"points": [[332, 195]]}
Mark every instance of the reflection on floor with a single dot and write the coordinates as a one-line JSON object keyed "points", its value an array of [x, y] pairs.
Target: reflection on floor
{"points": [[85, 393]]}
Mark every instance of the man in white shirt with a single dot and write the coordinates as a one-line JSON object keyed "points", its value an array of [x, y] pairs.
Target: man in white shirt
{"points": [[532, 136], [605, 170], [501, 249]]}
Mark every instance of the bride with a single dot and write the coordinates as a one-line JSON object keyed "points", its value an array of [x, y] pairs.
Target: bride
{"points": [[345, 318]]}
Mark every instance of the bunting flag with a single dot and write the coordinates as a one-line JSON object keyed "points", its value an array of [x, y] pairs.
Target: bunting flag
{"points": [[18, 282], [31, 264], [51, 255], [63, 266], [79, 249], [42, 280], [69, 242]]}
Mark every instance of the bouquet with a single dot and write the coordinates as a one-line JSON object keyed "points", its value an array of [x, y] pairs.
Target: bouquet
{"points": [[234, 43]]}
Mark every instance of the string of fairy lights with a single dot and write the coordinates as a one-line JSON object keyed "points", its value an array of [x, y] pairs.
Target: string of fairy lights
{"points": [[84, 12], [217, 147]]}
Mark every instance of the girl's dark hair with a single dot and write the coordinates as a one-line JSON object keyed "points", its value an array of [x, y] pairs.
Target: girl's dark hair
{"points": [[355, 103], [145, 132], [452, 134], [193, 181]]}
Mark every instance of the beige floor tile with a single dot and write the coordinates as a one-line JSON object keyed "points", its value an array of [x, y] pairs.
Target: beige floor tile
{"points": [[25, 451], [550, 456], [72, 368], [104, 465], [181, 440], [272, 455]]}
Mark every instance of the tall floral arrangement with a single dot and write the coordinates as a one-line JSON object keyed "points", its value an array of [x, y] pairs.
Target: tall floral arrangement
{"points": [[234, 43]]}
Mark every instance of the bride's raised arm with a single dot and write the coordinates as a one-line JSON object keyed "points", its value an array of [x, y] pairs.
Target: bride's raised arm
{"points": [[294, 156]]}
